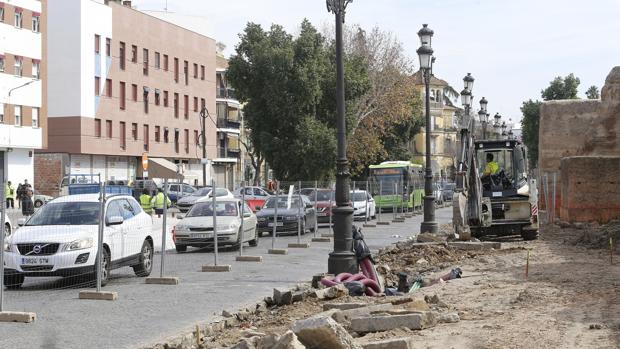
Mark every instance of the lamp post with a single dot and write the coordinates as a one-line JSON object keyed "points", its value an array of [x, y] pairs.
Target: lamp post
{"points": [[342, 259], [425, 54], [496, 124], [484, 117], [503, 128]]}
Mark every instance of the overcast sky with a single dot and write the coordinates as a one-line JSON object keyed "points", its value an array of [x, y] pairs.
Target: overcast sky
{"points": [[512, 48]]}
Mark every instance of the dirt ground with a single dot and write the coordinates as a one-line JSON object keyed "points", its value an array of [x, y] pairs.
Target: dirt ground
{"points": [[570, 299]]}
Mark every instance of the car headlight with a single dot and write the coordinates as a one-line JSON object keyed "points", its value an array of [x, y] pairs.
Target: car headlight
{"points": [[79, 244], [262, 219]]}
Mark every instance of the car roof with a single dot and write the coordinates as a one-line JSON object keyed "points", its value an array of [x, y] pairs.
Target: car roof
{"points": [[88, 197], [206, 199]]}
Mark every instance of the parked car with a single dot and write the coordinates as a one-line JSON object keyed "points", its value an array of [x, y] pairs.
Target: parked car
{"points": [[363, 205], [196, 228], [61, 239], [186, 202], [447, 191], [40, 199], [255, 197], [289, 214], [325, 202], [179, 190], [8, 226]]}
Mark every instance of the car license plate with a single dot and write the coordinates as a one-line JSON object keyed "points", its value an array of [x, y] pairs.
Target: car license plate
{"points": [[279, 224], [35, 261], [199, 235], [322, 214]]}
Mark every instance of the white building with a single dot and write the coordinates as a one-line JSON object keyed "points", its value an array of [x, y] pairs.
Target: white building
{"points": [[21, 118]]}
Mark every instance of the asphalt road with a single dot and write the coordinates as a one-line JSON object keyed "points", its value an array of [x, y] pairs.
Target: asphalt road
{"points": [[144, 314]]}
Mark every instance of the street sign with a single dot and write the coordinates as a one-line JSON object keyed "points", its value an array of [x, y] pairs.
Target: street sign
{"points": [[145, 161]]}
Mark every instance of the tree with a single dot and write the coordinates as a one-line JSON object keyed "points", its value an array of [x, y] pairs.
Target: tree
{"points": [[559, 88], [593, 93], [256, 158]]}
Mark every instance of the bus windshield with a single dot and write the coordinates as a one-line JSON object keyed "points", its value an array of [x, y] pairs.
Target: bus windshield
{"points": [[388, 179]]}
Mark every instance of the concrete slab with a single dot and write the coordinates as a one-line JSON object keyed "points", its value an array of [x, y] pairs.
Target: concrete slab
{"points": [[327, 235], [296, 245], [321, 240], [166, 280], [216, 268], [100, 296], [16, 316], [249, 258], [383, 223], [369, 225], [280, 251]]}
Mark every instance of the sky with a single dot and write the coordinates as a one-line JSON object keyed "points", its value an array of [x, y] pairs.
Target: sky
{"points": [[513, 48]]}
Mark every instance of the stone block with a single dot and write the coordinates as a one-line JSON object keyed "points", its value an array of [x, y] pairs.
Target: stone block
{"points": [[101, 296], [380, 323], [14, 316], [383, 223], [363, 311], [288, 341], [321, 240], [279, 251], [395, 343], [282, 296], [332, 292], [449, 318], [300, 245], [324, 333], [162, 281], [249, 258], [343, 306], [216, 268]]}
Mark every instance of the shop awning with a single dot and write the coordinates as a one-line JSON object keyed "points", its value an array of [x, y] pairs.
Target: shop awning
{"points": [[162, 168]]}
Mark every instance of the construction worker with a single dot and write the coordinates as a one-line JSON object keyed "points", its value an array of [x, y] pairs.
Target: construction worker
{"points": [[145, 201], [158, 202], [9, 195], [491, 167]]}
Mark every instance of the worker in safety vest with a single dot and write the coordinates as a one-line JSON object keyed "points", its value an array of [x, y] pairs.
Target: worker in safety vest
{"points": [[491, 167], [145, 201], [158, 202], [9, 195]]}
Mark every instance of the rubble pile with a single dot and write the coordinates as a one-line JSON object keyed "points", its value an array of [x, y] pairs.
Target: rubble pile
{"points": [[588, 234]]}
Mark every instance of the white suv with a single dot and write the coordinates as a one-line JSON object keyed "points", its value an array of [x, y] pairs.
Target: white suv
{"points": [[61, 238]]}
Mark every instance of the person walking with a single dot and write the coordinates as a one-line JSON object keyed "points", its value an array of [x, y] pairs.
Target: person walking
{"points": [[27, 205], [9, 194], [20, 194], [145, 201], [158, 202]]}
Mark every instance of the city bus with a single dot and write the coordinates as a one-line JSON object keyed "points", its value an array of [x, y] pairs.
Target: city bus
{"points": [[397, 183]]}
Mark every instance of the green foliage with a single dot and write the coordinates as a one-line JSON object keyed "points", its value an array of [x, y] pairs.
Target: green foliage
{"points": [[561, 88], [529, 125], [593, 93]]}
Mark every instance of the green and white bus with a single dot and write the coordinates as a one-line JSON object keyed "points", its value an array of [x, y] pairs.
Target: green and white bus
{"points": [[397, 183]]}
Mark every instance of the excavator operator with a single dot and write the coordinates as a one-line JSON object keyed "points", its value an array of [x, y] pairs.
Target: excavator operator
{"points": [[491, 167]]}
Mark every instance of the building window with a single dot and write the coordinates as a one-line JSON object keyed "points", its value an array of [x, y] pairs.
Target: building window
{"points": [[35, 24], [195, 104], [97, 85], [202, 72], [165, 62], [1, 61], [122, 95], [157, 60], [134, 131], [176, 105], [166, 99], [202, 104], [176, 140], [145, 61], [108, 87], [186, 140], [186, 71], [108, 47], [108, 128], [35, 117], [18, 66], [18, 17], [145, 99], [195, 71], [176, 69], [186, 106], [98, 128], [35, 69], [121, 54], [1, 14], [134, 53], [1, 113], [157, 93], [145, 135], [97, 43], [165, 135], [18, 115], [157, 135], [123, 134], [196, 137], [134, 92]]}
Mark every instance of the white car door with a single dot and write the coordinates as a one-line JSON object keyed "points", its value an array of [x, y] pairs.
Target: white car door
{"points": [[131, 230], [113, 234], [249, 224]]}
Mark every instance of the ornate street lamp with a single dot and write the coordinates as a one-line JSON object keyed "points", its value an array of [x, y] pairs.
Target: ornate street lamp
{"points": [[425, 54], [468, 80], [466, 102], [483, 116], [496, 124], [342, 259], [503, 128]]}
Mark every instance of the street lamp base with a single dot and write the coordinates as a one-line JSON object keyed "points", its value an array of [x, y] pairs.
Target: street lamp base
{"points": [[342, 262], [429, 227], [342, 259]]}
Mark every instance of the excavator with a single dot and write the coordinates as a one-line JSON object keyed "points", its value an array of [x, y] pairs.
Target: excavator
{"points": [[500, 204]]}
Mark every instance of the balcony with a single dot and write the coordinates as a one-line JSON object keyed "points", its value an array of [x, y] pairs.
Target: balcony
{"points": [[228, 153], [228, 123], [227, 93]]}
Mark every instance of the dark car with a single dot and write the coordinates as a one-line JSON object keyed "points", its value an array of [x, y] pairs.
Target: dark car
{"points": [[447, 191], [289, 214], [325, 202]]}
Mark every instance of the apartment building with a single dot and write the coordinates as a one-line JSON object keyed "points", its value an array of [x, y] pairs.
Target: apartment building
{"points": [[22, 119], [123, 83], [443, 128]]}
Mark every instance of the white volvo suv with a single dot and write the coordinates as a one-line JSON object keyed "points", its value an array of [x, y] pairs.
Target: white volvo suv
{"points": [[61, 239]]}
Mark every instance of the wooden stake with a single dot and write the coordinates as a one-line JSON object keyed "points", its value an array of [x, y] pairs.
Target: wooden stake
{"points": [[611, 251], [527, 264]]}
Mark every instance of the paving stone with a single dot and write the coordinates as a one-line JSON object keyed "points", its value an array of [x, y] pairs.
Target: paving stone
{"points": [[332, 292], [282, 296], [362, 311], [379, 323], [288, 341], [395, 343], [323, 333], [343, 306]]}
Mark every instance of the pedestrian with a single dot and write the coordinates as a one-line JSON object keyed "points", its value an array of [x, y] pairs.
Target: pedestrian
{"points": [[158, 202], [145, 201], [20, 194], [9, 195], [27, 205]]}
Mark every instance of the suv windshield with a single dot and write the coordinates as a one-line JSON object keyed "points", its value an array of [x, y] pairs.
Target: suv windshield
{"points": [[67, 213], [205, 209], [282, 202]]}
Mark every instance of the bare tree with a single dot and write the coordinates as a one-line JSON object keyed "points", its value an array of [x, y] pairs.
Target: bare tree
{"points": [[256, 158]]}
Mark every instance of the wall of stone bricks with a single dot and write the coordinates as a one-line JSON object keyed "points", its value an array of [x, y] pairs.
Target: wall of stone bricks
{"points": [[48, 170]]}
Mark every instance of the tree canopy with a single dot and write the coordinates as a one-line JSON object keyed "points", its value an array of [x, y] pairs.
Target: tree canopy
{"points": [[593, 92], [561, 88]]}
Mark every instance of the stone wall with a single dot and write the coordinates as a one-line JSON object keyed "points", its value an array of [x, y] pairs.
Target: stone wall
{"points": [[48, 173], [590, 188], [571, 128]]}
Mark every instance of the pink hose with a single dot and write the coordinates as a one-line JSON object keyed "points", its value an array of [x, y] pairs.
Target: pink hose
{"points": [[367, 277]]}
